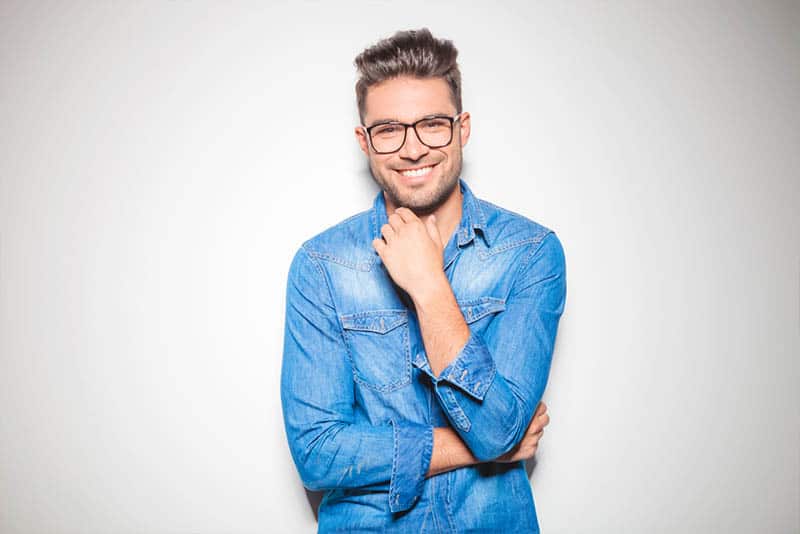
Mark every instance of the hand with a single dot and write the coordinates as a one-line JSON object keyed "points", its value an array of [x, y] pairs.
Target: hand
{"points": [[526, 448], [412, 251]]}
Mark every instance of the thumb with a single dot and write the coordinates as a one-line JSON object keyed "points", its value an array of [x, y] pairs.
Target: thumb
{"points": [[433, 231]]}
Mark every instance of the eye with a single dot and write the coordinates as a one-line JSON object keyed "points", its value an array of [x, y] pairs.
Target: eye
{"points": [[386, 129], [435, 124]]}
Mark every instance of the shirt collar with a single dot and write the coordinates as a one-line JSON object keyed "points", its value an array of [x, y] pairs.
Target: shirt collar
{"points": [[472, 217]]}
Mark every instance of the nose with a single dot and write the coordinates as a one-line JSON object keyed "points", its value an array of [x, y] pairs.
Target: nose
{"points": [[412, 147]]}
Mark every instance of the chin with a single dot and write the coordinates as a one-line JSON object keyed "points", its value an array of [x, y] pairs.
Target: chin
{"points": [[422, 200], [427, 205], [426, 208]]}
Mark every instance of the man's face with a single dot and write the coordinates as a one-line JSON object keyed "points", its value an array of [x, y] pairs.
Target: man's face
{"points": [[406, 99]]}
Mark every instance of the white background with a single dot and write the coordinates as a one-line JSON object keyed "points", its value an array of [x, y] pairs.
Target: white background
{"points": [[161, 162]]}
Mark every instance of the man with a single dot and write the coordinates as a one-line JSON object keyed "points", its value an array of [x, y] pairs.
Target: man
{"points": [[419, 333]]}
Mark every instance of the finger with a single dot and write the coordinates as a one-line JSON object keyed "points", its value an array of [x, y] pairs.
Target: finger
{"points": [[406, 214], [388, 233], [534, 427], [538, 424], [379, 245], [396, 221], [539, 411], [433, 230]]}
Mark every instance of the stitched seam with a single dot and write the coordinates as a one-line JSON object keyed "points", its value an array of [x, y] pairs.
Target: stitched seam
{"points": [[489, 307], [470, 388], [448, 512], [534, 250], [327, 286], [458, 413], [407, 352], [435, 484], [334, 259], [338, 320], [478, 208], [544, 230], [361, 266], [508, 246], [427, 452], [395, 454], [399, 318], [522, 264], [383, 388], [368, 313]]}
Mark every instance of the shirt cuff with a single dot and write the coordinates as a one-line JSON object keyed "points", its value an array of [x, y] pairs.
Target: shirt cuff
{"points": [[472, 370], [413, 447]]}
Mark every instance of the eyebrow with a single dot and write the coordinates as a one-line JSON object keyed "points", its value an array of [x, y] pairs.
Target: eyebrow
{"points": [[429, 116]]}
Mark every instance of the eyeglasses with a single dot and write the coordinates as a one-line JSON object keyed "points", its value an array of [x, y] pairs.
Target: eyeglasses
{"points": [[434, 132]]}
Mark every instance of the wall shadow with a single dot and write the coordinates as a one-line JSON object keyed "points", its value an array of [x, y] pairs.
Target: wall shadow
{"points": [[314, 498]]}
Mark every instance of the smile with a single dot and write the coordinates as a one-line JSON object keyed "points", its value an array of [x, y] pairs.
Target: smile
{"points": [[417, 172]]}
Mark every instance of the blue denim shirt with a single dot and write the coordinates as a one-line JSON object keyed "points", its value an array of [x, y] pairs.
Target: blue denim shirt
{"points": [[360, 400]]}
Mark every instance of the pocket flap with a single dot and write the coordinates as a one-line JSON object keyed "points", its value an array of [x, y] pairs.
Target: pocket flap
{"points": [[378, 321], [479, 308]]}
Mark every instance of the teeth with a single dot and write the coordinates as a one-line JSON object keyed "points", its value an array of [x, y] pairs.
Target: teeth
{"points": [[417, 172]]}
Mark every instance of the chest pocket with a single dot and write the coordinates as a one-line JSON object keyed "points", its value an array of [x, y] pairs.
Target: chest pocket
{"points": [[378, 346]]}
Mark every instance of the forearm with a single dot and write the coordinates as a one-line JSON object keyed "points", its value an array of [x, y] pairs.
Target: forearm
{"points": [[449, 452], [492, 425], [444, 331], [492, 384]]}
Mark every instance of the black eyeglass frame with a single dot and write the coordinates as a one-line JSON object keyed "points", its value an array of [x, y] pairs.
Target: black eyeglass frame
{"points": [[406, 126]]}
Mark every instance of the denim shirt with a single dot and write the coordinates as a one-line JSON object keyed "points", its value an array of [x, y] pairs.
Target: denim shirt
{"points": [[360, 400]]}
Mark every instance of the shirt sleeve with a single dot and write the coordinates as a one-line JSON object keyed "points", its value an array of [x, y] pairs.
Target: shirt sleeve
{"points": [[328, 447], [492, 387]]}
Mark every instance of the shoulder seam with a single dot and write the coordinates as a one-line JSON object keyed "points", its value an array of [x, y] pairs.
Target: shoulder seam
{"points": [[538, 238], [321, 271], [325, 256], [527, 259], [535, 249]]}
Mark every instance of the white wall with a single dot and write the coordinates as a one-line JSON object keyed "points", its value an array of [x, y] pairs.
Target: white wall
{"points": [[161, 162]]}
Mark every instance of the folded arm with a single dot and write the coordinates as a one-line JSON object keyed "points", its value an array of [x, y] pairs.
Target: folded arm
{"points": [[329, 448], [490, 386], [450, 452]]}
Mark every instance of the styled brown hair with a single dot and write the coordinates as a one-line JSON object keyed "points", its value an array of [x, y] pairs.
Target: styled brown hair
{"points": [[413, 53]]}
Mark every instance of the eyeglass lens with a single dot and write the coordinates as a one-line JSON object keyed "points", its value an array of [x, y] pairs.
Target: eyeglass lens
{"points": [[434, 132]]}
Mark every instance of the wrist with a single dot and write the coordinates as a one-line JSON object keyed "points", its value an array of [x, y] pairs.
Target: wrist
{"points": [[430, 291]]}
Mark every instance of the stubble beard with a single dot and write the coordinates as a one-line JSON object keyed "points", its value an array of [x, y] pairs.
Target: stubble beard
{"points": [[422, 204]]}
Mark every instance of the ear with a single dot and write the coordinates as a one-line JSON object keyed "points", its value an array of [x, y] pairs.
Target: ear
{"points": [[466, 126], [361, 137]]}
